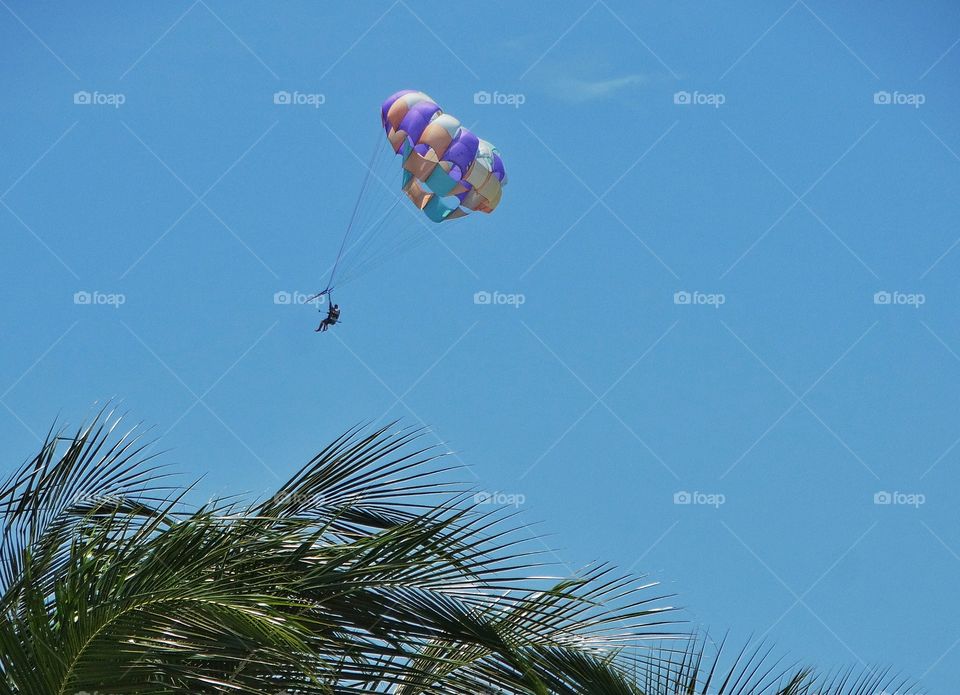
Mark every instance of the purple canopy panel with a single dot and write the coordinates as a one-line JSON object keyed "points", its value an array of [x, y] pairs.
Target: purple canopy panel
{"points": [[462, 151], [497, 168], [417, 119], [385, 108]]}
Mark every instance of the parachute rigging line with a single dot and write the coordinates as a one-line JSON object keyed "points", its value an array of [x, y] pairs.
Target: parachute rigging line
{"points": [[353, 215]]}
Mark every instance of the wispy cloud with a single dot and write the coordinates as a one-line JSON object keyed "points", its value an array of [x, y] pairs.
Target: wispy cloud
{"points": [[573, 89]]}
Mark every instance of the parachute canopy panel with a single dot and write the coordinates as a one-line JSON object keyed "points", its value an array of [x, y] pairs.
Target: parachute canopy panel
{"points": [[448, 170]]}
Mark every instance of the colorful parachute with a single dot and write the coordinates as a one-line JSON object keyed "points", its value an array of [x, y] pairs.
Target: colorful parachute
{"points": [[447, 170]]}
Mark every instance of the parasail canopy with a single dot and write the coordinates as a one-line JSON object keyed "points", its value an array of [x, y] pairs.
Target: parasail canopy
{"points": [[448, 171]]}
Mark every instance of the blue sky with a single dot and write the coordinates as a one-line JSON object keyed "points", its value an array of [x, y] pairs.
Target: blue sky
{"points": [[786, 393]]}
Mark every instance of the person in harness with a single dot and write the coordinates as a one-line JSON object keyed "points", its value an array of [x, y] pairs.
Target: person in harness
{"points": [[333, 315]]}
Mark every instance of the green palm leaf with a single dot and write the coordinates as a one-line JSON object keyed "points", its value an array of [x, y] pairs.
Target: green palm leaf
{"points": [[367, 572]]}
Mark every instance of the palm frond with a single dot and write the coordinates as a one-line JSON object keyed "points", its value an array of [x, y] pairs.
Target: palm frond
{"points": [[369, 571], [688, 669]]}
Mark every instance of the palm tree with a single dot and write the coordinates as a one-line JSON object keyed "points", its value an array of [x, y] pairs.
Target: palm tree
{"points": [[367, 572]]}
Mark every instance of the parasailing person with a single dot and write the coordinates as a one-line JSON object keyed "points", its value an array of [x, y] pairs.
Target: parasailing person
{"points": [[447, 173], [333, 315]]}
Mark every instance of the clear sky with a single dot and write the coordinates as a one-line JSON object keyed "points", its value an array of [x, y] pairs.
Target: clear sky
{"points": [[781, 198]]}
